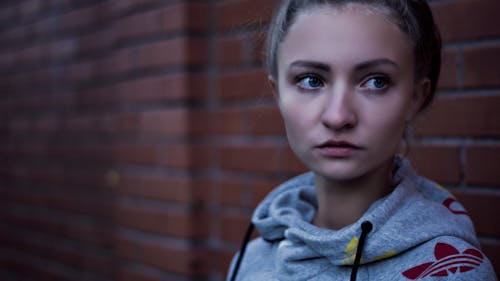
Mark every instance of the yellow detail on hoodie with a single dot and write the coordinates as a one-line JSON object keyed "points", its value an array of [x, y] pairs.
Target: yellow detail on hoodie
{"points": [[350, 253], [385, 255]]}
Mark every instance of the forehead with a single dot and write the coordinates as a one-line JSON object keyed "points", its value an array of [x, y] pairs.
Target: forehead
{"points": [[350, 32]]}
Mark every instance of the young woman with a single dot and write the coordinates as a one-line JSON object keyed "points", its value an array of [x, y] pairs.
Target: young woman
{"points": [[349, 76]]}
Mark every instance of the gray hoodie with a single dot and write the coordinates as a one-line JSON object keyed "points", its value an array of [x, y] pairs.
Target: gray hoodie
{"points": [[417, 232]]}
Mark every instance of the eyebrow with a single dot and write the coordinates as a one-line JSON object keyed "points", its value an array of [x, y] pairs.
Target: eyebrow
{"points": [[311, 64], [375, 63], [359, 67]]}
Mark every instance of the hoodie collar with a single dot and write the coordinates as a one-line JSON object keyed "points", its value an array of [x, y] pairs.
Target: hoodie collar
{"points": [[401, 220]]}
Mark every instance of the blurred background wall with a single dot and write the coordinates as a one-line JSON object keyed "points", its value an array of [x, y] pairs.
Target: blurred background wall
{"points": [[136, 136]]}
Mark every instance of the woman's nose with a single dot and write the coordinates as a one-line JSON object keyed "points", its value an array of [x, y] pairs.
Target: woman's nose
{"points": [[339, 111]]}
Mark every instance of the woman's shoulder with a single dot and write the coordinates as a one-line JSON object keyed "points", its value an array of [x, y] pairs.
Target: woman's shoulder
{"points": [[449, 257]]}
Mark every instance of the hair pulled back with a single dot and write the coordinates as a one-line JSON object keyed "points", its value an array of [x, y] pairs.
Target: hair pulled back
{"points": [[413, 17]]}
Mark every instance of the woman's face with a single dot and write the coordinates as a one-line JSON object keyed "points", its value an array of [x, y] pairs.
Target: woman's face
{"points": [[345, 89]]}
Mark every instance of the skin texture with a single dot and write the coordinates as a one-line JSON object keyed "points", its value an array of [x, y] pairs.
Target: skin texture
{"points": [[346, 75]]}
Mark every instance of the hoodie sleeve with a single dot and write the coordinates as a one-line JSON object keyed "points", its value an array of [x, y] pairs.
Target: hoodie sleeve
{"points": [[450, 258]]}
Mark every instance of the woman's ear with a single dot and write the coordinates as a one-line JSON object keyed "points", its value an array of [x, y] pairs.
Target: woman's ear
{"points": [[274, 86], [422, 91]]}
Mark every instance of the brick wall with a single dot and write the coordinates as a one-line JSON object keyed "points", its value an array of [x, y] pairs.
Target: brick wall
{"points": [[138, 135]]}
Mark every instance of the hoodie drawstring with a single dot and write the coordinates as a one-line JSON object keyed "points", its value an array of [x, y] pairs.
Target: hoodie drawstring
{"points": [[366, 227], [248, 234]]}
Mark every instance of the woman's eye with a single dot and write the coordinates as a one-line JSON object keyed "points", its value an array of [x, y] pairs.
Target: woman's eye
{"points": [[376, 83], [310, 82]]}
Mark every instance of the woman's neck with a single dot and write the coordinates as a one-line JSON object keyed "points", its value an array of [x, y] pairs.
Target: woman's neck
{"points": [[341, 203]]}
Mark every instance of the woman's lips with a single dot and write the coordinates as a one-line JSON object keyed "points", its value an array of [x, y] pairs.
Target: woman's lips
{"points": [[337, 149]]}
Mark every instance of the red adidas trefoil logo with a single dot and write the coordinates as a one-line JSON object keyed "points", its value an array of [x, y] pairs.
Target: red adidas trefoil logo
{"points": [[448, 261]]}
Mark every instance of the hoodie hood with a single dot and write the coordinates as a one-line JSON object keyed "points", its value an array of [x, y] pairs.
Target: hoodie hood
{"points": [[416, 211]]}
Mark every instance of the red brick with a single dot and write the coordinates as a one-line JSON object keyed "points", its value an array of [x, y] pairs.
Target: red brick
{"points": [[120, 123], [439, 163], [449, 77], [187, 17], [31, 55], [79, 124], [138, 25], [136, 154], [232, 193], [178, 156], [98, 96], [251, 158], [224, 260], [18, 81], [97, 261], [80, 72], [266, 121], [14, 35], [230, 121], [481, 66], [158, 187], [292, 164], [483, 210], [97, 41], [98, 179], [9, 12], [492, 250], [230, 51], [243, 13], [483, 164], [85, 232], [61, 49], [471, 115], [98, 207], [130, 273], [84, 17], [180, 258], [203, 191], [260, 189], [122, 6], [28, 269], [181, 51], [167, 122], [162, 221], [198, 86], [30, 8], [148, 89], [188, 156], [46, 25], [100, 263], [20, 125], [54, 3], [84, 152], [7, 59], [118, 62], [202, 122], [482, 19], [43, 77], [46, 124], [244, 85], [234, 227], [34, 150]]}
